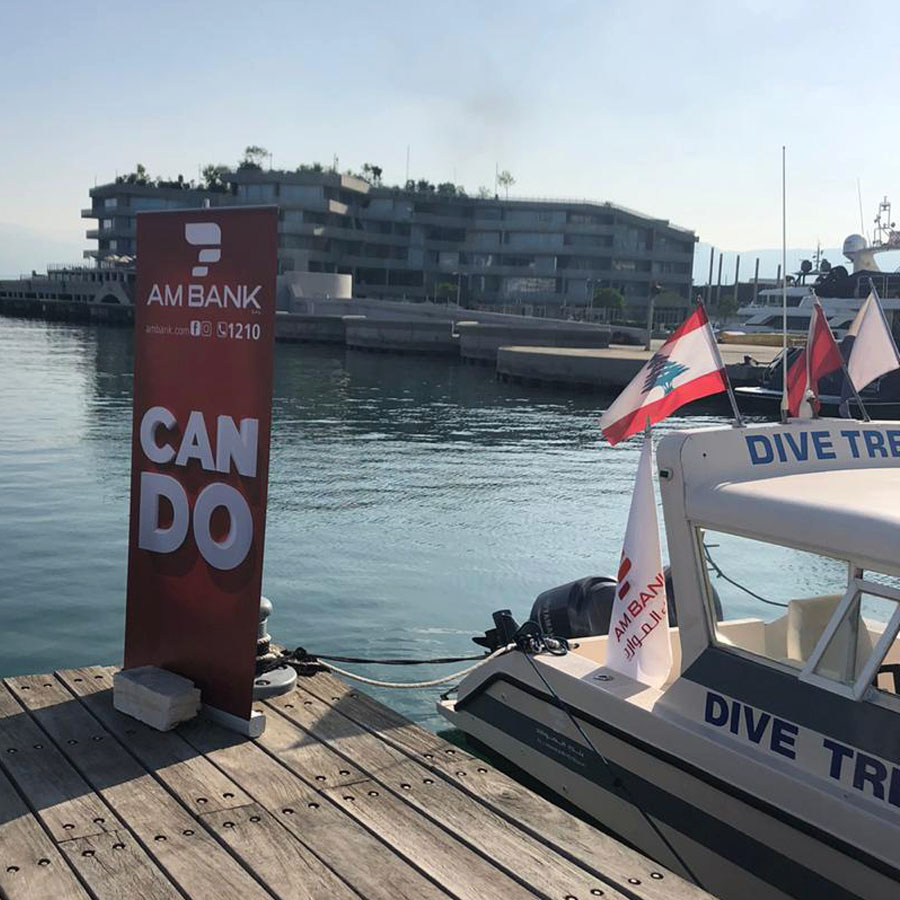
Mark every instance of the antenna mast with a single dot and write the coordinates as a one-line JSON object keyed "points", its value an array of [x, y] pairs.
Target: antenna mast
{"points": [[784, 354], [862, 223]]}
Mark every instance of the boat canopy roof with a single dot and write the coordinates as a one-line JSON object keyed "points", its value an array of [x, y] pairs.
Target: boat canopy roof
{"points": [[853, 514], [830, 486]]}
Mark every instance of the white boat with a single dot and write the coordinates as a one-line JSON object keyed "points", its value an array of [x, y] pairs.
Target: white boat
{"points": [[841, 293], [768, 764]]}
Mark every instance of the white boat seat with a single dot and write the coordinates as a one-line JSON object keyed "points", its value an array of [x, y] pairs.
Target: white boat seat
{"points": [[807, 619]]}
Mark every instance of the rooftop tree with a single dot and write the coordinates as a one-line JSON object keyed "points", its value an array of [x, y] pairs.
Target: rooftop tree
{"points": [[254, 157], [214, 178], [506, 180]]}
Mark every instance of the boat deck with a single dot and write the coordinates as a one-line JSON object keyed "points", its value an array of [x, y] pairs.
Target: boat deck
{"points": [[340, 798]]}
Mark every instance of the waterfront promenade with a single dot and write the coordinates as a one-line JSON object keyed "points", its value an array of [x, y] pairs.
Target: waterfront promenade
{"points": [[340, 797]]}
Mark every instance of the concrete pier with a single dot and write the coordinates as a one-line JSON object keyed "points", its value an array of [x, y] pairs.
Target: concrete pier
{"points": [[311, 329], [480, 341], [612, 368], [67, 310], [434, 337]]}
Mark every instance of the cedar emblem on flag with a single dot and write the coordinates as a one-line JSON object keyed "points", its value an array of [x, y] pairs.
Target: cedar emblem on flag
{"points": [[687, 367]]}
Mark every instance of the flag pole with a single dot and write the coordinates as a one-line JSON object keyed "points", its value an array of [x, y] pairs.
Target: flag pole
{"points": [[784, 392], [807, 391], [738, 418], [862, 407]]}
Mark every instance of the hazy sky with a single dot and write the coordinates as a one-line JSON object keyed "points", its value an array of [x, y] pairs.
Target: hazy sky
{"points": [[675, 109]]}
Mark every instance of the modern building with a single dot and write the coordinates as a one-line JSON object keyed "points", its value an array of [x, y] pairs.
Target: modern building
{"points": [[549, 256], [115, 205]]}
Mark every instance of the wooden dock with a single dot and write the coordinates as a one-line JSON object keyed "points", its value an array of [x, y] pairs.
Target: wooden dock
{"points": [[340, 798]]}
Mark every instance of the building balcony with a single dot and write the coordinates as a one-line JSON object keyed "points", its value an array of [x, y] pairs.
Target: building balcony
{"points": [[90, 213], [92, 234]]}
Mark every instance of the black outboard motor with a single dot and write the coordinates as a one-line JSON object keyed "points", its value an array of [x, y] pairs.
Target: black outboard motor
{"points": [[583, 608], [577, 609]]}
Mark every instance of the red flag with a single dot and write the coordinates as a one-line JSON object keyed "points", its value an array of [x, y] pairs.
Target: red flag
{"points": [[819, 358]]}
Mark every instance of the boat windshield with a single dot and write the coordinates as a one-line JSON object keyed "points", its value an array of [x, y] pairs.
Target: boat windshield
{"points": [[834, 624]]}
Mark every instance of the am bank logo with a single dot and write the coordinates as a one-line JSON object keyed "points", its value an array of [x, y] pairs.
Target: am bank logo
{"points": [[207, 236]]}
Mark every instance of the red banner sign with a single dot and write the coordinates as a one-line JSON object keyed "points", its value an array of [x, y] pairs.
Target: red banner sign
{"points": [[204, 339]]}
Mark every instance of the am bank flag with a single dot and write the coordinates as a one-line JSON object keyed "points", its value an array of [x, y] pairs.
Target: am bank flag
{"points": [[687, 367], [638, 642]]}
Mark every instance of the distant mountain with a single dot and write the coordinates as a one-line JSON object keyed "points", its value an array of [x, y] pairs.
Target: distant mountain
{"points": [[23, 250]]}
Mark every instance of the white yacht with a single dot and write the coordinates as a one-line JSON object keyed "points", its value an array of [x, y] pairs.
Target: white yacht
{"points": [[101, 291], [768, 764], [841, 293]]}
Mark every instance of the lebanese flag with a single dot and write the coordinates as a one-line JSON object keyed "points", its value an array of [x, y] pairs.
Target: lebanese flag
{"points": [[638, 642], [819, 358], [687, 367]]}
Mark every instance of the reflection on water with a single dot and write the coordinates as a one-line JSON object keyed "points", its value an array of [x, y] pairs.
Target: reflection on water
{"points": [[409, 498]]}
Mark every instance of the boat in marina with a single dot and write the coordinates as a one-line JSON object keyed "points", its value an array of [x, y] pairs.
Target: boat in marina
{"points": [[840, 292], [104, 291], [768, 762], [881, 398]]}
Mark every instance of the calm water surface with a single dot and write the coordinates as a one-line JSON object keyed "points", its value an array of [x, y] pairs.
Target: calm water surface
{"points": [[409, 498]]}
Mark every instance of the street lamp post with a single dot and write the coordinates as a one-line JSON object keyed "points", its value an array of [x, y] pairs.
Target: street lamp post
{"points": [[458, 287], [655, 288]]}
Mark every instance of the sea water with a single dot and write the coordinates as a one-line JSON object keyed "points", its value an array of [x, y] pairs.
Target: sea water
{"points": [[409, 498]]}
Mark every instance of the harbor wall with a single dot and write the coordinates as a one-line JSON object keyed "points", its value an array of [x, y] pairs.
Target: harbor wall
{"points": [[480, 341], [67, 310], [402, 335], [611, 368], [311, 329]]}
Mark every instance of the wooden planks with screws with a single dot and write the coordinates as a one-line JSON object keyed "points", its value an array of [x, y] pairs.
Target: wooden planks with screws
{"points": [[561, 831], [371, 868], [284, 865], [31, 866], [190, 855], [469, 821]]}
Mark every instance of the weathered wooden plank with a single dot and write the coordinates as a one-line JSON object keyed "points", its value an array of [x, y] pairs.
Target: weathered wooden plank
{"points": [[250, 832], [61, 798], [361, 860], [430, 848], [469, 821], [115, 867], [77, 818], [196, 782], [561, 831], [31, 868], [188, 853], [280, 861], [381, 719]]}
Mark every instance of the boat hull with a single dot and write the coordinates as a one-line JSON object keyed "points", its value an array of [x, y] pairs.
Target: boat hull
{"points": [[692, 821], [763, 401]]}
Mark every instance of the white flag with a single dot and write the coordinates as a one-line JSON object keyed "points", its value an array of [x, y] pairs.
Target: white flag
{"points": [[874, 352], [638, 643]]}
